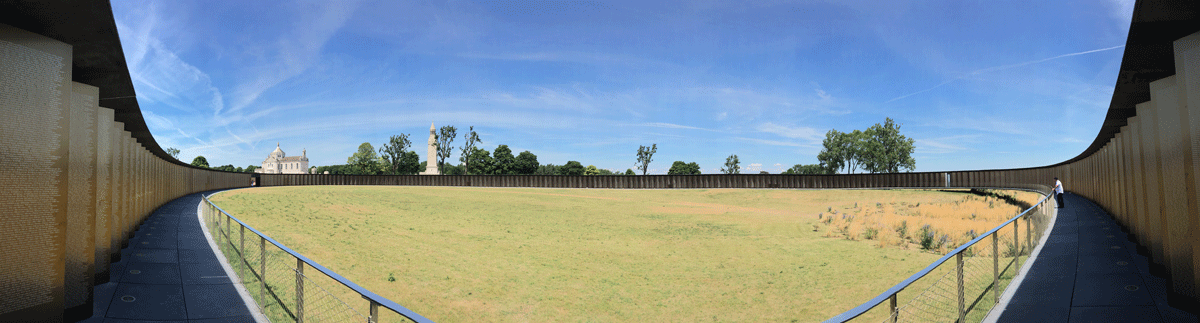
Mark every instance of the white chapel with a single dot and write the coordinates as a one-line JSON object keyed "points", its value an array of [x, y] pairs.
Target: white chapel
{"points": [[278, 163]]}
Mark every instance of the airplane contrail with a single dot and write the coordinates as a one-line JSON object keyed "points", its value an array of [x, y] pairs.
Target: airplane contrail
{"points": [[1004, 67]]}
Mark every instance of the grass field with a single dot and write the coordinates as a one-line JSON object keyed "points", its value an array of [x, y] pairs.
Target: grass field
{"points": [[539, 255]]}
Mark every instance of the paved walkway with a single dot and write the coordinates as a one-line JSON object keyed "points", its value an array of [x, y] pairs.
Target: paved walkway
{"points": [[1089, 271], [169, 273]]}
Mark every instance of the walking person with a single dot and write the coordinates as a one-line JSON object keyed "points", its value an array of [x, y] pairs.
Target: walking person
{"points": [[1058, 193]]}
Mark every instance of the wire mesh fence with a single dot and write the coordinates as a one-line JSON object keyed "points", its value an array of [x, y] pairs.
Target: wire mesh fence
{"points": [[967, 283], [288, 288]]}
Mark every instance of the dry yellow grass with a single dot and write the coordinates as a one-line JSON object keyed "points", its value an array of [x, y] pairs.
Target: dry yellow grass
{"points": [[551, 255], [953, 219]]}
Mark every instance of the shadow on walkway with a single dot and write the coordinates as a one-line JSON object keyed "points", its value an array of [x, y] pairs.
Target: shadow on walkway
{"points": [[169, 273], [1089, 271]]}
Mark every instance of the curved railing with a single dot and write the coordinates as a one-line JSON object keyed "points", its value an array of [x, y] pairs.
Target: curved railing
{"points": [[957, 293], [275, 276]]}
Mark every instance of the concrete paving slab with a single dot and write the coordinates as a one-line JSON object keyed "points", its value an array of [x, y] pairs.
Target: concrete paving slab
{"points": [[1061, 249], [1035, 313], [156, 243], [1110, 290], [151, 273], [112, 320], [213, 301], [192, 244], [1115, 314], [1045, 290], [162, 256], [233, 319], [203, 273], [1108, 265], [1054, 265], [147, 302], [197, 256], [103, 295]]}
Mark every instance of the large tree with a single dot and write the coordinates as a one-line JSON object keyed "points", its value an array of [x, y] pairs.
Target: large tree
{"points": [[571, 168], [410, 164], [885, 150], [174, 152], [731, 165], [442, 141], [644, 156], [200, 161], [526, 163], [468, 148], [251, 168], [365, 161], [682, 168], [478, 162], [842, 151], [392, 153], [503, 162]]}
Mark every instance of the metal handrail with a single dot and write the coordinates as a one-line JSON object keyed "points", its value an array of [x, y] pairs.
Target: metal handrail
{"points": [[891, 292], [375, 299]]}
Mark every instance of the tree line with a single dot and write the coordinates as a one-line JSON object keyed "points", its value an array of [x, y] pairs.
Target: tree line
{"points": [[878, 149], [395, 158], [202, 162]]}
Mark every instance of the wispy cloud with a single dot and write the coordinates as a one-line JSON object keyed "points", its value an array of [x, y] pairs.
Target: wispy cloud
{"points": [[293, 53], [563, 56], [1121, 10], [944, 145], [749, 102], [769, 142], [804, 133], [671, 126]]}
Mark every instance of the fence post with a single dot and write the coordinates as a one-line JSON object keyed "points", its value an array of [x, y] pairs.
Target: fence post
{"points": [[374, 311], [895, 315], [996, 266], [262, 269], [1029, 233], [242, 263], [299, 291], [1017, 242], [962, 314]]}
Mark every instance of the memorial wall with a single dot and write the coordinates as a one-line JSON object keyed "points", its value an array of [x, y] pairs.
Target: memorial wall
{"points": [[73, 183]]}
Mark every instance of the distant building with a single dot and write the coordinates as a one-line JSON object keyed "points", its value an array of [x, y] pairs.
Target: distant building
{"points": [[279, 163]]}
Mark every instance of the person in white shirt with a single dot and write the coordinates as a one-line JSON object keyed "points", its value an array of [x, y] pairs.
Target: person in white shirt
{"points": [[1058, 193]]}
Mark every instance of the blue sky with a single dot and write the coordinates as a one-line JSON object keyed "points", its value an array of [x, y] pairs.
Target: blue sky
{"points": [[977, 84]]}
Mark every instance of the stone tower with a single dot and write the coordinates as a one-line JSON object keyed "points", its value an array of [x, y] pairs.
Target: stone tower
{"points": [[431, 166]]}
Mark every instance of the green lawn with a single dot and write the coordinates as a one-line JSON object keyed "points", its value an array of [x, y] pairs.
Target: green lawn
{"points": [[578, 255]]}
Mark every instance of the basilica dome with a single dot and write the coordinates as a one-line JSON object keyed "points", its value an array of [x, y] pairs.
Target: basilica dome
{"points": [[278, 153]]}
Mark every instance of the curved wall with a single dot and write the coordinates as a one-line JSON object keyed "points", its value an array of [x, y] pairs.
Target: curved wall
{"points": [[79, 169], [75, 181]]}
